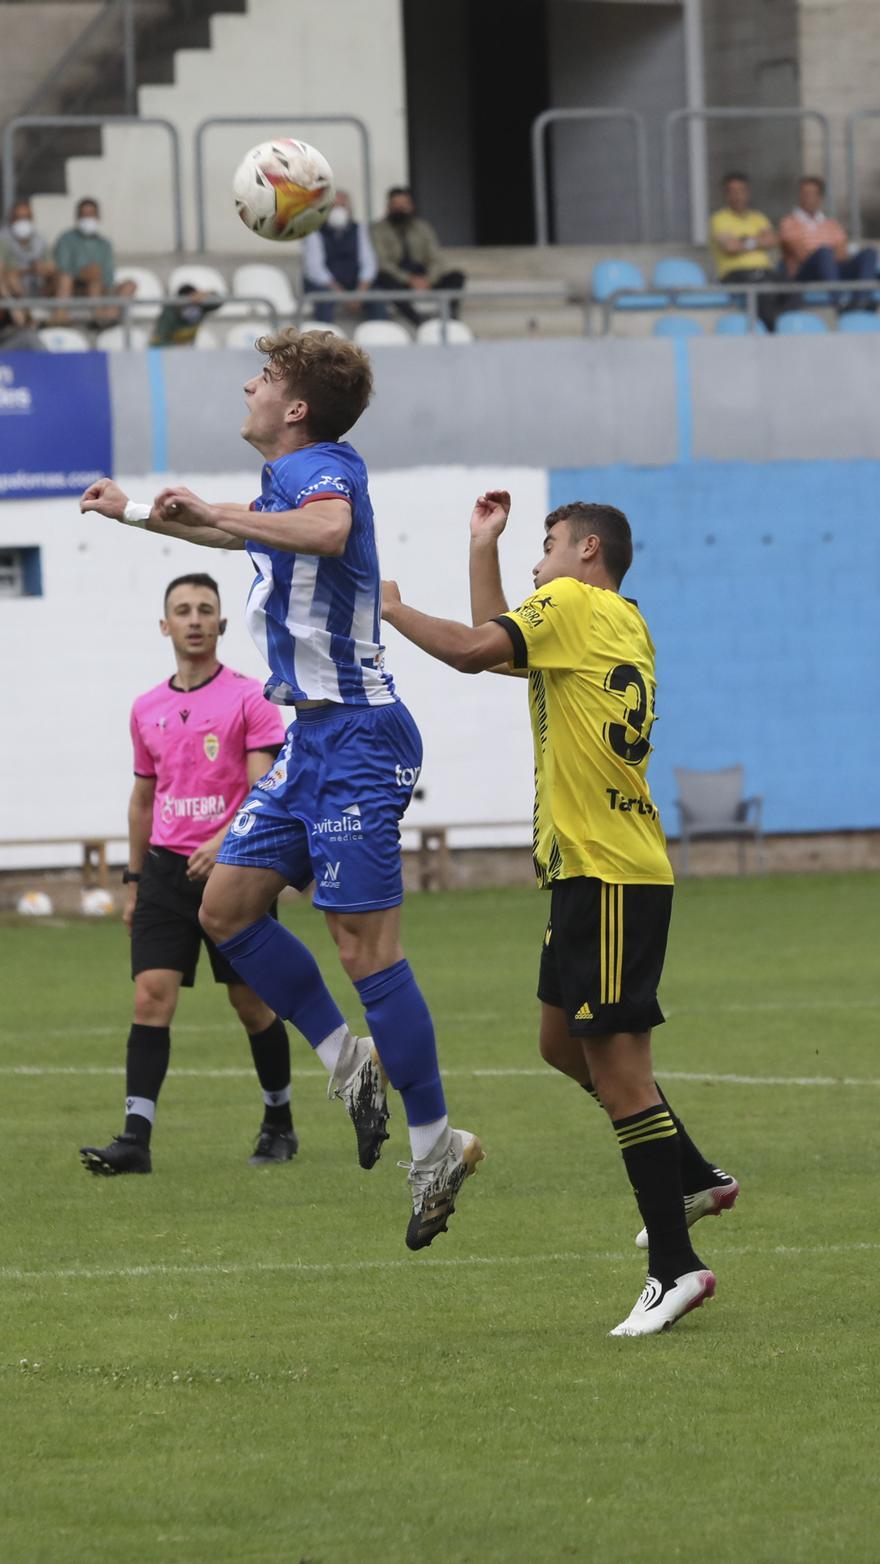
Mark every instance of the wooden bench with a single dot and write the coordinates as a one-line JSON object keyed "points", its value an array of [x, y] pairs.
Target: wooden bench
{"points": [[94, 853], [434, 851]]}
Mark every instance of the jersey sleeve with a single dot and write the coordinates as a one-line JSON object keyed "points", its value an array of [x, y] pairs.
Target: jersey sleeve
{"points": [[144, 765], [303, 478], [263, 722], [549, 630]]}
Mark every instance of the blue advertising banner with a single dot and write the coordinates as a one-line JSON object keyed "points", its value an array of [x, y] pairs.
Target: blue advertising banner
{"points": [[55, 424]]}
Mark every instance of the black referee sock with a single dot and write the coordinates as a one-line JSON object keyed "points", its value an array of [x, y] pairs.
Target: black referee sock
{"points": [[649, 1145], [696, 1172], [271, 1054], [146, 1063]]}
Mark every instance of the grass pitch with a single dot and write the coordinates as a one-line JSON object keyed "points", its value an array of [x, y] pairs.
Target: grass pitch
{"points": [[220, 1363]]}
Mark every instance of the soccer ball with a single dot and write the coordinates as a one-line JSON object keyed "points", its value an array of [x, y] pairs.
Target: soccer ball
{"points": [[96, 903], [35, 904], [283, 189]]}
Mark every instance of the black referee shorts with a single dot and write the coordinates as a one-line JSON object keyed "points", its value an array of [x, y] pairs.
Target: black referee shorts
{"points": [[165, 931], [603, 955]]}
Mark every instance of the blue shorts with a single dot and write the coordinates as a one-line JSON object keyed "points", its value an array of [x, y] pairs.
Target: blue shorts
{"points": [[330, 808]]}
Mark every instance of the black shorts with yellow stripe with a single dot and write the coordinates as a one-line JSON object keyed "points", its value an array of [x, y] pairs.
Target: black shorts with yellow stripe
{"points": [[603, 955]]}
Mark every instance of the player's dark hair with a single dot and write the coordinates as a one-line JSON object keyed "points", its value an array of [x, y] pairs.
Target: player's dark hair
{"points": [[735, 174], [813, 179], [332, 375], [604, 522], [196, 578]]}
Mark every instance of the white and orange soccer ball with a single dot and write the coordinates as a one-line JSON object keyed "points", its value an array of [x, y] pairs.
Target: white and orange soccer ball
{"points": [[35, 904], [283, 189]]}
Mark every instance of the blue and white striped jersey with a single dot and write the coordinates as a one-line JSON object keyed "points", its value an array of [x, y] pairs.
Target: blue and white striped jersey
{"points": [[317, 620]]}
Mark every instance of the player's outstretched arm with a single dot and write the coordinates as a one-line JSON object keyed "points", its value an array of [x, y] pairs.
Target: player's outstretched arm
{"points": [[108, 499], [488, 521], [467, 648]]}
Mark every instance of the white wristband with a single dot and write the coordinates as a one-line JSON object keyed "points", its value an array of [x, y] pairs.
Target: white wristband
{"points": [[136, 515]]}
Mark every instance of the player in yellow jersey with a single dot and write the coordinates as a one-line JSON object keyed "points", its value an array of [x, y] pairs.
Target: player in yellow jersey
{"points": [[599, 847]]}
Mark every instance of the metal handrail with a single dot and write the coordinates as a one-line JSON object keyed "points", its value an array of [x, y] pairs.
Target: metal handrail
{"points": [[73, 50], [539, 173], [74, 121], [275, 119], [749, 291], [855, 205], [680, 116], [126, 303], [443, 297]]}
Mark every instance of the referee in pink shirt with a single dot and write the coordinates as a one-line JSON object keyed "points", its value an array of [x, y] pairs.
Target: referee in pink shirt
{"points": [[815, 247], [201, 739]]}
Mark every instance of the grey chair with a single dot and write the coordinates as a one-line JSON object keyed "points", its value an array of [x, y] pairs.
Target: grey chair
{"points": [[711, 804]]}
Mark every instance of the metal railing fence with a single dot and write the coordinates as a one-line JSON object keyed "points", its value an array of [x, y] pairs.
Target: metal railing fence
{"points": [[747, 292], [276, 119], [683, 116], [852, 175], [550, 117], [83, 308], [72, 121]]}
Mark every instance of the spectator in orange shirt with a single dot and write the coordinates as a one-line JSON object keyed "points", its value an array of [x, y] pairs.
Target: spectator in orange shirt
{"points": [[815, 247]]}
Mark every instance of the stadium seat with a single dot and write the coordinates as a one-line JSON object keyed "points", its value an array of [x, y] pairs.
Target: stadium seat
{"points": [[858, 321], [244, 333], [736, 324], [609, 276], [113, 339], [678, 271], [64, 339], [430, 332], [206, 278], [381, 334], [323, 325], [147, 286], [260, 281], [678, 326], [797, 323]]}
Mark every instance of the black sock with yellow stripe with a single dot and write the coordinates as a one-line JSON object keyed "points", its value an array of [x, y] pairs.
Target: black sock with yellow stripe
{"points": [[696, 1172], [649, 1145]]}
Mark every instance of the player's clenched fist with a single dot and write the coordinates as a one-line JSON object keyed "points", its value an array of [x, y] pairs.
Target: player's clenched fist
{"points": [[390, 596], [105, 497], [489, 515], [180, 504]]}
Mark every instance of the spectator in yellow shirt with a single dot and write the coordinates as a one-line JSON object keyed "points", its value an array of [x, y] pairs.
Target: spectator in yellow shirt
{"points": [[741, 240], [815, 247]]}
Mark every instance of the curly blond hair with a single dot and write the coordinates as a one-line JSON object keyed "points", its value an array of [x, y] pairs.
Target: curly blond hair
{"points": [[329, 373]]}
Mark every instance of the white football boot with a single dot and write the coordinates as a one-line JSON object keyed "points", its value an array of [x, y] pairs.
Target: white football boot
{"points": [[435, 1181], [658, 1307], [361, 1083], [706, 1202]]}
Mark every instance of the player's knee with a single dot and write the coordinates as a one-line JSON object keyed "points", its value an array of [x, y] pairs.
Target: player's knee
{"points": [[155, 999], [216, 922]]}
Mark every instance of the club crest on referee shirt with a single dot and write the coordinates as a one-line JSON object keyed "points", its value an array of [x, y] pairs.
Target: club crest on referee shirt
{"points": [[212, 745]]}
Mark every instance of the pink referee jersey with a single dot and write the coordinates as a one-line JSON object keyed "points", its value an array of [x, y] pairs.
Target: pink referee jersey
{"points": [[196, 743]]}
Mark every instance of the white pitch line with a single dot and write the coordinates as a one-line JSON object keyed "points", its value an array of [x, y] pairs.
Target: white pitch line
{"points": [[75, 1273], [699, 1077]]}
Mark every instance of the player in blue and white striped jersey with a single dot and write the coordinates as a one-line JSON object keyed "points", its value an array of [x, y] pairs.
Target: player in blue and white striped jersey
{"points": [[329, 809]]}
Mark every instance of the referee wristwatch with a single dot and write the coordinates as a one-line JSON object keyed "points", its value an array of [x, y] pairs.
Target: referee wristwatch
{"points": [[129, 878]]}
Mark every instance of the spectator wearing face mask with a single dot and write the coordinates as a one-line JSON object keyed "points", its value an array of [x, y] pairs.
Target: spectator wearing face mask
{"points": [[409, 254], [24, 255], [178, 324], [340, 257], [86, 265]]}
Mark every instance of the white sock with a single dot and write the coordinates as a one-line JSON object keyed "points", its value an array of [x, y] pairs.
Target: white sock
{"points": [[277, 1099], [329, 1051], [423, 1137]]}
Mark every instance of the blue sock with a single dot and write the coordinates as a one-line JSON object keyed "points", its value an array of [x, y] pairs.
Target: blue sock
{"points": [[403, 1032], [278, 967]]}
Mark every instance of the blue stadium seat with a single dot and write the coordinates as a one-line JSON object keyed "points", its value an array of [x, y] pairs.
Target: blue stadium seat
{"points": [[858, 321], [736, 324], [678, 326], [797, 323], [678, 271], [608, 276], [819, 300]]}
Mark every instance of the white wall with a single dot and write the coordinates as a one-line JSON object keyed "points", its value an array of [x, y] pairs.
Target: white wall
{"points": [[314, 57], [90, 644]]}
